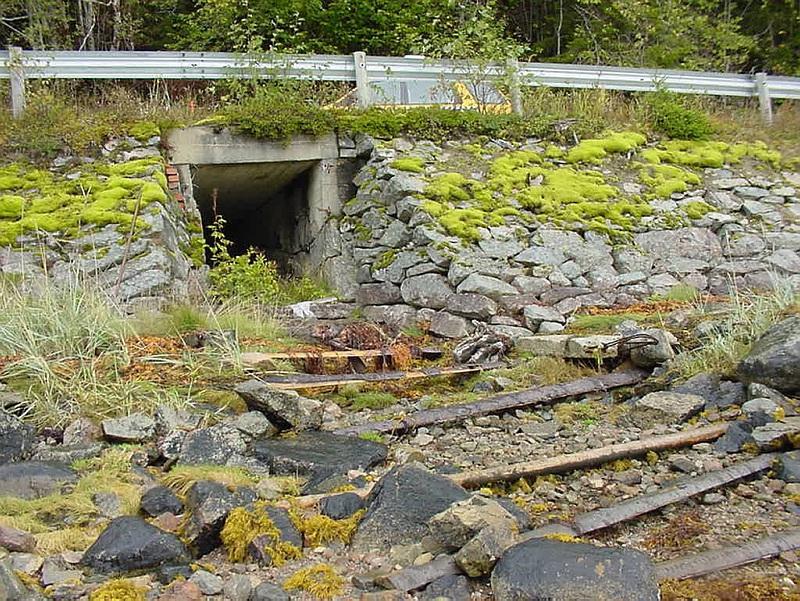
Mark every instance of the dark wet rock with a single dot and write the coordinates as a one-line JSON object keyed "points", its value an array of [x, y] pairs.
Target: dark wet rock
{"points": [[67, 455], [34, 479], [130, 543], [341, 506], [774, 358], [384, 293], [447, 588], [285, 409], [548, 569], [16, 438], [285, 525], [521, 517], [318, 455], [208, 504], [160, 499], [167, 573], [776, 435], [717, 393], [13, 539], [212, 446], [738, 434], [789, 466], [401, 504]]}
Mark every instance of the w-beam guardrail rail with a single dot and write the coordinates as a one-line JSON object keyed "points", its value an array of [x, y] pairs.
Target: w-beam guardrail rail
{"points": [[369, 72]]}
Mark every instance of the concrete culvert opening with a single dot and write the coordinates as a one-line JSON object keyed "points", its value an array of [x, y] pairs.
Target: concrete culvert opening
{"points": [[265, 206]]}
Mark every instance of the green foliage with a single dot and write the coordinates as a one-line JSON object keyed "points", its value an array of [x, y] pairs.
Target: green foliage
{"points": [[701, 153], [249, 276], [670, 115], [373, 437], [593, 150], [664, 180], [278, 111], [683, 293]]}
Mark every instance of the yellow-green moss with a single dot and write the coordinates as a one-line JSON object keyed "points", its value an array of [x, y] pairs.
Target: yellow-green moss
{"points": [[102, 195], [511, 170], [448, 187], [320, 581], [410, 164], [181, 478], [709, 154], [319, 529], [593, 150], [144, 130], [386, 259], [664, 180], [118, 590], [696, 209], [243, 526]]}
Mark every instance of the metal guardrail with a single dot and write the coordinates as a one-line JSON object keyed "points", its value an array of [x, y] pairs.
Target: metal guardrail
{"points": [[18, 65]]}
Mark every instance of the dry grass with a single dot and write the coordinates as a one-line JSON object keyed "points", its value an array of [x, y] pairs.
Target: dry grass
{"points": [[679, 533], [757, 588]]}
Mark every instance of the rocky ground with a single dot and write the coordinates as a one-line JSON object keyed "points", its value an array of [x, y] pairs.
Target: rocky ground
{"points": [[188, 504]]}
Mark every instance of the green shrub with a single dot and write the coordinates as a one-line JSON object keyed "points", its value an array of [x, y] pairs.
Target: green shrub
{"points": [[669, 115]]}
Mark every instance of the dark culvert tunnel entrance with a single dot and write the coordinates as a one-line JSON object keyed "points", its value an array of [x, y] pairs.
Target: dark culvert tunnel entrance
{"points": [[265, 207]]}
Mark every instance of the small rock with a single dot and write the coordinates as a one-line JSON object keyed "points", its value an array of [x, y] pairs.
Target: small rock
{"points": [[136, 427], [55, 572], [460, 522], [775, 435], [713, 498], [212, 446], [479, 555], [774, 357], [182, 590], [208, 583], [254, 424], [108, 504], [13, 539], [160, 499], [789, 470], [237, 588], [341, 506], [34, 479], [737, 435], [654, 354], [208, 504], [266, 591], [447, 588], [665, 407], [27, 563], [16, 438], [81, 431], [682, 464], [285, 409]]}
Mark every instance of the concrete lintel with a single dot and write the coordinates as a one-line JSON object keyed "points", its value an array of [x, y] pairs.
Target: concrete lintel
{"points": [[204, 145]]}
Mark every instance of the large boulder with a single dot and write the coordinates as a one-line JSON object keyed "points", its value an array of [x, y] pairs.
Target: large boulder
{"points": [[34, 479], [774, 359], [130, 543], [285, 409], [16, 438], [401, 504], [136, 427], [548, 569], [217, 445], [318, 455]]}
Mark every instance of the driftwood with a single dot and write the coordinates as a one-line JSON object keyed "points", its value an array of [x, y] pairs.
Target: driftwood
{"points": [[254, 358], [312, 500], [502, 402], [592, 521], [308, 381], [592, 457], [718, 560], [603, 518]]}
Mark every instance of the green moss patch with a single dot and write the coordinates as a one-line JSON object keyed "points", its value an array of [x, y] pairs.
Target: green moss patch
{"points": [[144, 130], [709, 154], [411, 164], [39, 200], [593, 150], [664, 180]]}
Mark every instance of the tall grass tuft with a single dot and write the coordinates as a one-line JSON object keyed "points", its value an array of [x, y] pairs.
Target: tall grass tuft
{"points": [[65, 347], [749, 315]]}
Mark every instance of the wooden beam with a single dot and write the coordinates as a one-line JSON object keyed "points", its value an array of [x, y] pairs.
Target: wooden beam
{"points": [[309, 381], [589, 458], [726, 558], [254, 358], [499, 403]]}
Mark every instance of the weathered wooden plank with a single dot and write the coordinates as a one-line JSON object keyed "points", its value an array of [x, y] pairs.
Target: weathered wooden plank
{"points": [[592, 457], [631, 508], [726, 558], [499, 403], [309, 381], [255, 357]]}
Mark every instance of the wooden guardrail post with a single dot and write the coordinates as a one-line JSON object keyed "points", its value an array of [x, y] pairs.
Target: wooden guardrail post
{"points": [[362, 80], [764, 100], [514, 86], [17, 80]]}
